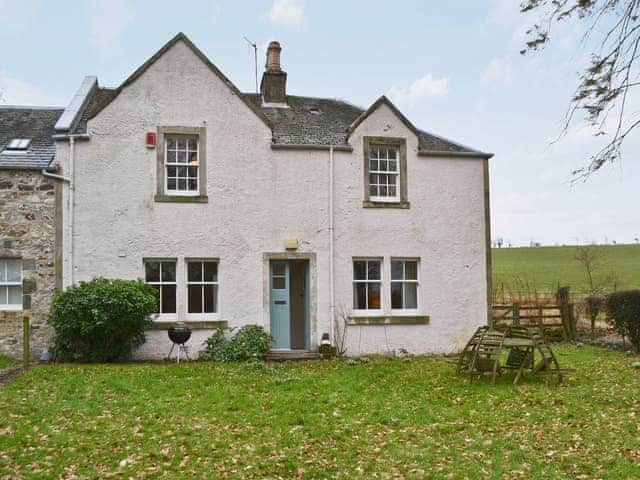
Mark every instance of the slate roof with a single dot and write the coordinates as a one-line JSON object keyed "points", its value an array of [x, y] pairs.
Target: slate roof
{"points": [[310, 122], [35, 123]]}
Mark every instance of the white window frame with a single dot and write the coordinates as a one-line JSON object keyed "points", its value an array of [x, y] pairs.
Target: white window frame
{"points": [[10, 307], [201, 316], [377, 198], [367, 311], [404, 281], [166, 165], [163, 317]]}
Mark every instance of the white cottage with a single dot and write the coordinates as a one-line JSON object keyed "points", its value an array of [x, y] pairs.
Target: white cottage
{"points": [[284, 211]]}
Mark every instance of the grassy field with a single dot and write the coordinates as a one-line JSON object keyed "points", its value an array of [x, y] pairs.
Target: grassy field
{"points": [[384, 419], [542, 268], [6, 362]]}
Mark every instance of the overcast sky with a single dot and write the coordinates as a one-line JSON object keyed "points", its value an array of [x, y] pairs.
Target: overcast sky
{"points": [[452, 67]]}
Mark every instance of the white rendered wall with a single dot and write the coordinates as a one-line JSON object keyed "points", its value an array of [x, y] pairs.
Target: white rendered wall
{"points": [[258, 196]]}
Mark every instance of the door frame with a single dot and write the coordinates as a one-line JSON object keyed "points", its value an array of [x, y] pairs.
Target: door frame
{"points": [[312, 307]]}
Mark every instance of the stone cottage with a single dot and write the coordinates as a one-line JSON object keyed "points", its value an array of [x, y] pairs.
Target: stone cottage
{"points": [[29, 197], [296, 213]]}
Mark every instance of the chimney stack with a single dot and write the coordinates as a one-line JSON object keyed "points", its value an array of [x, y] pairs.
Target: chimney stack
{"points": [[274, 80]]}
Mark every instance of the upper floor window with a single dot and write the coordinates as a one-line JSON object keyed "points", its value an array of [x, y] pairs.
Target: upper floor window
{"points": [[10, 284], [384, 173], [18, 144], [181, 172], [181, 164], [367, 284]]}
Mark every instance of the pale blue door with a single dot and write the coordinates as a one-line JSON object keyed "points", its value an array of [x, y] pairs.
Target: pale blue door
{"points": [[279, 304]]}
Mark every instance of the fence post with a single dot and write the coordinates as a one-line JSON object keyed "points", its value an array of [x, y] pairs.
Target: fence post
{"points": [[26, 337], [516, 314]]}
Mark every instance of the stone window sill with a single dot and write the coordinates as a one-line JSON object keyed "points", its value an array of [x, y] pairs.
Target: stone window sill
{"points": [[194, 325], [388, 320], [182, 198], [369, 204]]}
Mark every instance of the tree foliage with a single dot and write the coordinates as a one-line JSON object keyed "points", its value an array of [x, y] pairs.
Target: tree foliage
{"points": [[606, 82]]}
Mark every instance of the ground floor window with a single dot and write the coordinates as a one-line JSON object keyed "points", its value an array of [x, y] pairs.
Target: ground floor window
{"points": [[161, 274], [10, 284], [202, 287], [367, 284], [404, 284]]}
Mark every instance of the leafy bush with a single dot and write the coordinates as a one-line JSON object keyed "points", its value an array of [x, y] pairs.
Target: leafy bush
{"points": [[249, 342], [101, 320], [624, 310]]}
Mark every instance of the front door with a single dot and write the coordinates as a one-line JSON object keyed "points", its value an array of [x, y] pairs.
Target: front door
{"points": [[279, 304]]}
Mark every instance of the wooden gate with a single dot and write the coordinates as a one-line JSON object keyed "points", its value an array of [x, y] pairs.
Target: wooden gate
{"points": [[556, 321]]}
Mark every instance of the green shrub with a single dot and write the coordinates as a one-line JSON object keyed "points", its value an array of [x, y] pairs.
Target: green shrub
{"points": [[101, 320], [624, 311], [593, 305], [249, 342]]}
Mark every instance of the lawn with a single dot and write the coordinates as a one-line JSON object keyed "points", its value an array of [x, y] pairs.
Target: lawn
{"points": [[543, 267], [384, 419], [6, 362]]}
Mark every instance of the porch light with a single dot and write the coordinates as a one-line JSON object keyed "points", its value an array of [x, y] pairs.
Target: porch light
{"points": [[325, 339]]}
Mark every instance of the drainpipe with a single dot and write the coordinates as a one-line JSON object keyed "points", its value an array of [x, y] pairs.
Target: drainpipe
{"points": [[68, 254], [332, 300]]}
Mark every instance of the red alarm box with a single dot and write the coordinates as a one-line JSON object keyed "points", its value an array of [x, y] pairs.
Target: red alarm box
{"points": [[151, 139]]}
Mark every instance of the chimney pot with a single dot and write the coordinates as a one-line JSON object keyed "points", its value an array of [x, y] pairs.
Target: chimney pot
{"points": [[273, 57]]}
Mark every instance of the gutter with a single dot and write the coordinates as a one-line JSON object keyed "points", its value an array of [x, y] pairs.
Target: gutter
{"points": [[445, 153], [311, 146]]}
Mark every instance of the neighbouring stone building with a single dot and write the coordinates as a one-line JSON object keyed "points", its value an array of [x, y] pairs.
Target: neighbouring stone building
{"points": [[27, 226]]}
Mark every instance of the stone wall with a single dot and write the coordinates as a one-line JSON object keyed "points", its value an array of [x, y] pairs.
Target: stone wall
{"points": [[27, 231]]}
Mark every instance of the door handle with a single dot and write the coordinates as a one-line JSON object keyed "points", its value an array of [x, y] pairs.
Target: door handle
{"points": [[280, 302]]}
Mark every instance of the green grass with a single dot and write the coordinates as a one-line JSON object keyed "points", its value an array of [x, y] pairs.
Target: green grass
{"points": [[543, 267], [6, 362], [385, 419]]}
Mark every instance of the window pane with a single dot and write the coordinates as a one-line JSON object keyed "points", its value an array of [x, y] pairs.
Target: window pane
{"points": [[360, 296], [182, 143], [374, 296], [14, 270], [192, 184], [211, 271], [393, 153], [193, 158], [360, 270], [182, 171], [172, 171], [168, 271], [171, 156], [3, 295], [171, 143], [157, 289], [278, 268], [152, 271], [182, 184], [210, 300], [3, 277], [279, 283], [195, 298], [373, 165], [15, 296], [373, 152], [373, 191], [396, 295], [383, 191], [168, 299], [411, 295], [171, 184], [393, 166], [194, 271], [373, 270], [193, 172], [411, 270], [396, 269], [391, 191], [181, 157]]}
